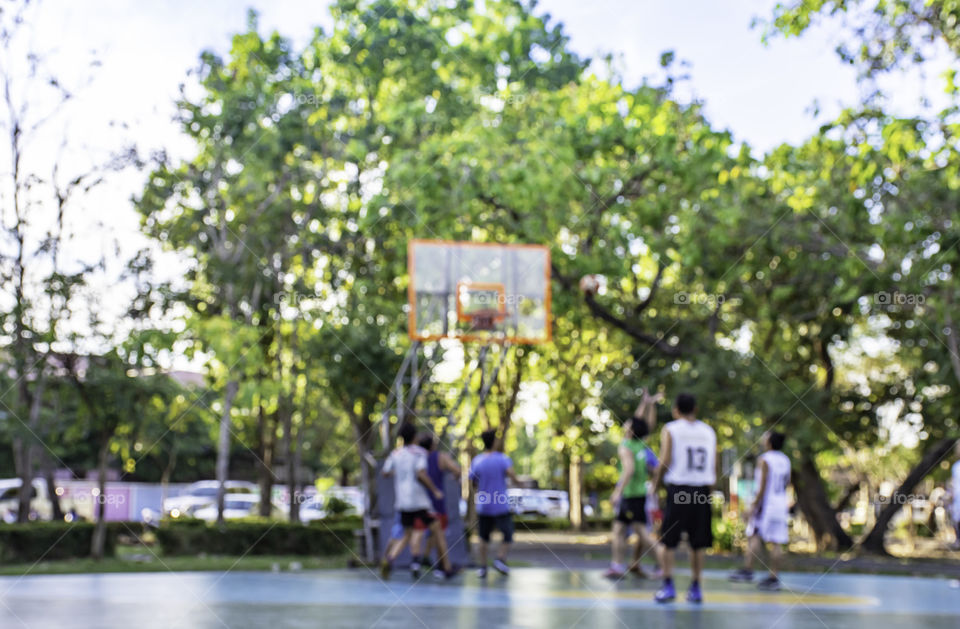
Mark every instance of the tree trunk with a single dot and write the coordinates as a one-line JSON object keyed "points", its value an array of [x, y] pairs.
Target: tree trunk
{"points": [[23, 461], [576, 493], [55, 510], [32, 401], [289, 445], [265, 429], [223, 447], [812, 499], [98, 544], [166, 474], [364, 435], [874, 541], [297, 461]]}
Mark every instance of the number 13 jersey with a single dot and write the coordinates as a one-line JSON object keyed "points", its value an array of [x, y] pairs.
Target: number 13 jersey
{"points": [[694, 457]]}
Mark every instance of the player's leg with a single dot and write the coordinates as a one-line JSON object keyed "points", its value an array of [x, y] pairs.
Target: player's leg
{"points": [[754, 544], [696, 564], [505, 524], [429, 546], [439, 539], [617, 542], [646, 545], [395, 547], [484, 528], [672, 528], [772, 581], [700, 530], [416, 549], [774, 531]]}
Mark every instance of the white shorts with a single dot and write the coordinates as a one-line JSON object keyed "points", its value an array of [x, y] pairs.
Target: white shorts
{"points": [[771, 528]]}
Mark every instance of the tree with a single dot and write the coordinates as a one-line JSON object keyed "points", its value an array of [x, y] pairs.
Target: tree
{"points": [[40, 194]]}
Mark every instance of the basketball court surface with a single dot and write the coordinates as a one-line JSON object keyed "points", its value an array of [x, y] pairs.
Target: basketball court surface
{"points": [[530, 597]]}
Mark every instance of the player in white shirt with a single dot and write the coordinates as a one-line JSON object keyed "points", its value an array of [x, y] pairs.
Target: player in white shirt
{"points": [[411, 484], [688, 459], [767, 521]]}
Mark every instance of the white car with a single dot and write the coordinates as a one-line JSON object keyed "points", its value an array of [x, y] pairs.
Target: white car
{"points": [[236, 506], [539, 502], [40, 507], [312, 509], [202, 493]]}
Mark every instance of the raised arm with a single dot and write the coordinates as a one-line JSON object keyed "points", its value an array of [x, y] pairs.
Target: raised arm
{"points": [[666, 458]]}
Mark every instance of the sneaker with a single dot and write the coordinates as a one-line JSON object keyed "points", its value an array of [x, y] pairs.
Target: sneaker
{"points": [[385, 569], [446, 575], [741, 575], [614, 573], [666, 593], [501, 566], [694, 595], [770, 584], [482, 572], [415, 571]]}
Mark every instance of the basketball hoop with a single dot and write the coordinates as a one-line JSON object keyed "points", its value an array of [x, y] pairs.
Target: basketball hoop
{"points": [[479, 292], [485, 320]]}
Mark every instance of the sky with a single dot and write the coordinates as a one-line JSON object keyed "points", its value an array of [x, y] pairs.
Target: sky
{"points": [[762, 93]]}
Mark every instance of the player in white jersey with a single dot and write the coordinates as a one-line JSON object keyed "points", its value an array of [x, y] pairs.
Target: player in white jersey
{"points": [[767, 522], [955, 492], [688, 455]]}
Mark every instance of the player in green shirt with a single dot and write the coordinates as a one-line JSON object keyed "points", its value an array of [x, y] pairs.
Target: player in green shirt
{"points": [[630, 495]]}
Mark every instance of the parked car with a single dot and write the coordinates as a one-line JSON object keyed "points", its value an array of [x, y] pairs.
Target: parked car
{"points": [[312, 509], [545, 503], [40, 507], [236, 506], [201, 494]]}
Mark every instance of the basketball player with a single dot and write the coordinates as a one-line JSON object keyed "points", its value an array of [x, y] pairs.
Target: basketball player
{"points": [[489, 471], [767, 523], [437, 464], [630, 494], [408, 466], [688, 453]]}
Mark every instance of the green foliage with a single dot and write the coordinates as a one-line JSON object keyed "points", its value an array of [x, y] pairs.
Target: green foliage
{"points": [[34, 541], [336, 506], [256, 537], [729, 533]]}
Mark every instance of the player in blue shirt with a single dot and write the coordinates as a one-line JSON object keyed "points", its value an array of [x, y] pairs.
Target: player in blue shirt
{"points": [[488, 473]]}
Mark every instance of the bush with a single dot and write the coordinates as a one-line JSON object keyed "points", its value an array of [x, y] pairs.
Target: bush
{"points": [[33, 541], [729, 533], [336, 506], [239, 537]]}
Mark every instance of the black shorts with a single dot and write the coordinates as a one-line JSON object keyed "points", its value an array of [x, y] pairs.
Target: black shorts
{"points": [[687, 511], [419, 520], [632, 510], [503, 523]]}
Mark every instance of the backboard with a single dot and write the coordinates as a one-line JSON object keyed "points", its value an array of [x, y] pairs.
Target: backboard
{"points": [[478, 292]]}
